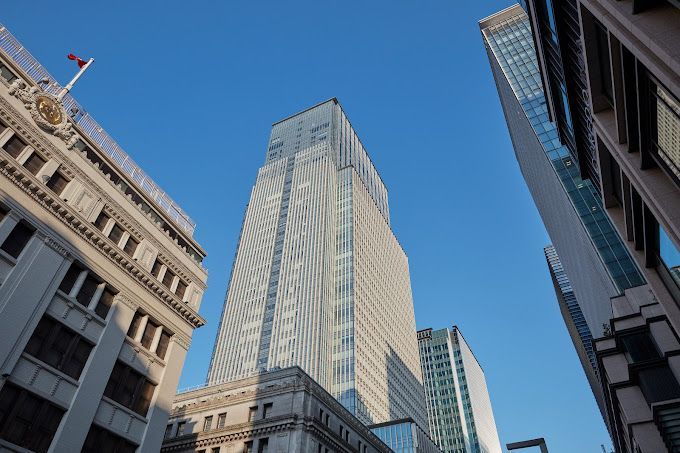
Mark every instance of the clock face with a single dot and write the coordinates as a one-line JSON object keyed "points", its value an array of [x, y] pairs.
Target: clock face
{"points": [[49, 110]]}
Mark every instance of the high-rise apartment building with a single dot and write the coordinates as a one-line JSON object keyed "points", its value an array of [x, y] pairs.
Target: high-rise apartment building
{"points": [[458, 404], [611, 77], [100, 278], [576, 324], [319, 279]]}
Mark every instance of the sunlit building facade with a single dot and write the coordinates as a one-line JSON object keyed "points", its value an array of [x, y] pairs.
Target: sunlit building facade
{"points": [[458, 405], [319, 279], [100, 277]]}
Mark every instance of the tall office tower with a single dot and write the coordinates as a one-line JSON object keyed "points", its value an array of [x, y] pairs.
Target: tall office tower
{"points": [[612, 75], [458, 405], [100, 278], [576, 323], [319, 279]]}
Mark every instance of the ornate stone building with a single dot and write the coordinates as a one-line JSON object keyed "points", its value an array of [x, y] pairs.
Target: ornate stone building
{"points": [[282, 410], [100, 278]]}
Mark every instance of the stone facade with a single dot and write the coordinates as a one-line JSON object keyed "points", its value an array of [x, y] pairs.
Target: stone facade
{"points": [[99, 286], [276, 411]]}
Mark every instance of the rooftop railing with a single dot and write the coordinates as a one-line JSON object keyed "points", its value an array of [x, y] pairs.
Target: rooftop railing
{"points": [[88, 126]]}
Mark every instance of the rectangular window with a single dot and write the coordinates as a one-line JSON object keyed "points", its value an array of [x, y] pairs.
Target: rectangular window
{"points": [[134, 326], [221, 420], [6, 74], [105, 302], [102, 221], [658, 384], [57, 183], [3, 212], [168, 278], [163, 343], [262, 445], [34, 163], [640, 347], [207, 423], [267, 409], [251, 413], [149, 332], [180, 428], [58, 346], [168, 432], [17, 239], [130, 389], [14, 146], [86, 292], [27, 420], [156, 269], [70, 278], [248, 447], [181, 289], [116, 233], [605, 71], [131, 246]]}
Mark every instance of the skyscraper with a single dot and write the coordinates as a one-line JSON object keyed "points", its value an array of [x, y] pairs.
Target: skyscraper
{"points": [[319, 279], [611, 81], [458, 404], [576, 323]]}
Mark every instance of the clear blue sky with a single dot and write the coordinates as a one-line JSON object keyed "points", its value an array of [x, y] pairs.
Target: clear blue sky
{"points": [[190, 90]]}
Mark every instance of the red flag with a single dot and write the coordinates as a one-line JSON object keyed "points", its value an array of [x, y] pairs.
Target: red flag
{"points": [[80, 61]]}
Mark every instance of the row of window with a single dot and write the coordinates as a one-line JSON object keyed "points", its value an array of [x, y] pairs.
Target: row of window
{"points": [[58, 182], [221, 420], [145, 330]]}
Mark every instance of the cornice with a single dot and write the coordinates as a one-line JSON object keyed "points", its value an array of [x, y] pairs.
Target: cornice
{"points": [[39, 142], [73, 220]]}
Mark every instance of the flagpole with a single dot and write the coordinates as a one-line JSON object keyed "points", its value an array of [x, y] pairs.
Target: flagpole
{"points": [[68, 87]]}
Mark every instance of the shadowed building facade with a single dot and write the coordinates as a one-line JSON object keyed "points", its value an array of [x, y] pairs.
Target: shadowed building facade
{"points": [[319, 279], [100, 277], [458, 405]]}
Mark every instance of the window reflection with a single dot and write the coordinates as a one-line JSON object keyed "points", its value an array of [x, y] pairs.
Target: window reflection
{"points": [[670, 256]]}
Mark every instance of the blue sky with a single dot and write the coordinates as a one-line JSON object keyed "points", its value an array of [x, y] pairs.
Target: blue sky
{"points": [[190, 90]]}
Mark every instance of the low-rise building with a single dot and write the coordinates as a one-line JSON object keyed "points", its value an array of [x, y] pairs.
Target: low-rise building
{"points": [[281, 410]]}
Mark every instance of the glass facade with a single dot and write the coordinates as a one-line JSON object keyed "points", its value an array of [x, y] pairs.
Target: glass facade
{"points": [[512, 44], [458, 404], [404, 436]]}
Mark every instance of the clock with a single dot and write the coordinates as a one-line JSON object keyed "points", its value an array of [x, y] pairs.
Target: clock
{"points": [[49, 110]]}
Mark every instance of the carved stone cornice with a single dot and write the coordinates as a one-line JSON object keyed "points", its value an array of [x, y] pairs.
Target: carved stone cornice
{"points": [[182, 341], [125, 300], [47, 149], [67, 215]]}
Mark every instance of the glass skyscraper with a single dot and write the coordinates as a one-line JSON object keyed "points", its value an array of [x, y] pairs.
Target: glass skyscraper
{"points": [[319, 279], [594, 256], [575, 322], [458, 404]]}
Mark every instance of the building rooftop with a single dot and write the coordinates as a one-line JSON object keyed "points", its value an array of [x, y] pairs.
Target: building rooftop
{"points": [[86, 125]]}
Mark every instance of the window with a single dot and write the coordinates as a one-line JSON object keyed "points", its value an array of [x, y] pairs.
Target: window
{"points": [[116, 233], [58, 346], [101, 221], [163, 343], [3, 212], [639, 347], [99, 439], [180, 428], [27, 420], [267, 409], [658, 384], [130, 389], [215, 450], [70, 278], [134, 326], [131, 246], [168, 278], [605, 71], [34, 163], [221, 420], [14, 146], [251, 413], [57, 183], [168, 432], [181, 289], [670, 255], [248, 447], [17, 239], [207, 423], [6, 74], [149, 333], [156, 269], [87, 290], [105, 302], [262, 445]]}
